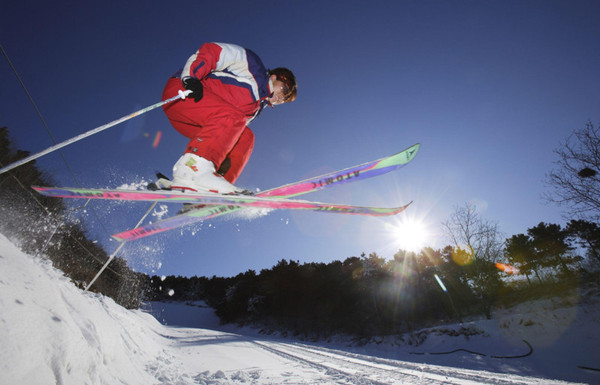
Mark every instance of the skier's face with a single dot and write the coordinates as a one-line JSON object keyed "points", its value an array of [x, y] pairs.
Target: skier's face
{"points": [[279, 91]]}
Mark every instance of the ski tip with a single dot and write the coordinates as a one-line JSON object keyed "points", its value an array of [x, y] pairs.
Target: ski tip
{"points": [[40, 189], [401, 158], [125, 236], [415, 146], [402, 208], [412, 150]]}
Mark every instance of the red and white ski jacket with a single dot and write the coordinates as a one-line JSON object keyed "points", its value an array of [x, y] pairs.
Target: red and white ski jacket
{"points": [[234, 73]]}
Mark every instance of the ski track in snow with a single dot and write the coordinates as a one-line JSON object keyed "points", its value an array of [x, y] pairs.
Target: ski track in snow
{"points": [[320, 365], [53, 333]]}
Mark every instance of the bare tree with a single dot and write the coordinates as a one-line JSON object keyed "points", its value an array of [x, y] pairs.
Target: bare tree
{"points": [[576, 181], [467, 229], [477, 245]]}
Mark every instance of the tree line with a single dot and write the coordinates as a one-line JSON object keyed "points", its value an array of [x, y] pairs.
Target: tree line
{"points": [[369, 295]]}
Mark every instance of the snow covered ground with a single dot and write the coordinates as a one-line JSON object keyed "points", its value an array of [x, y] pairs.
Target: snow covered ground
{"points": [[53, 333]]}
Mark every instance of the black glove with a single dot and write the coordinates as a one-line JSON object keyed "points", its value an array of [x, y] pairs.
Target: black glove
{"points": [[195, 86]]}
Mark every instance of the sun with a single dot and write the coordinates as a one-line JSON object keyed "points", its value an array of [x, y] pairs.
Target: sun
{"points": [[409, 234]]}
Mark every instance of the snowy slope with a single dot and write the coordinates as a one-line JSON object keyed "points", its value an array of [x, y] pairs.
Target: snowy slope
{"points": [[53, 333]]}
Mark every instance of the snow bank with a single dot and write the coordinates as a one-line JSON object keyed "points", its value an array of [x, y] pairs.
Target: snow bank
{"points": [[553, 338], [53, 333]]}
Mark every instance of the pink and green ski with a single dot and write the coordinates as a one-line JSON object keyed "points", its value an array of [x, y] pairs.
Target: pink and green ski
{"points": [[351, 174], [213, 201], [273, 198]]}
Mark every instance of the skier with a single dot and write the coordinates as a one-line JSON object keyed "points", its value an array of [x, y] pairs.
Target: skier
{"points": [[230, 87]]}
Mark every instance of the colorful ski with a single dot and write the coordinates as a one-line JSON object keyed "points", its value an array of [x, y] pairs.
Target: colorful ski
{"points": [[352, 174], [210, 199]]}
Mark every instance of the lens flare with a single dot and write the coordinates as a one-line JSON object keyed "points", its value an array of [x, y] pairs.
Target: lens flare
{"points": [[462, 256], [508, 269], [157, 138], [439, 281]]}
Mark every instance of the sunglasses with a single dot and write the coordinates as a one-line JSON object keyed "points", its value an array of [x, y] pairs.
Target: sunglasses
{"points": [[286, 84]]}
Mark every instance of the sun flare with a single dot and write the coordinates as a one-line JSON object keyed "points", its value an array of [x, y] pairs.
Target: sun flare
{"points": [[410, 234]]}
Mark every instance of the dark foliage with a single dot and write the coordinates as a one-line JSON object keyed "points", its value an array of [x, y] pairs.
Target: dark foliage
{"points": [[40, 226], [362, 296]]}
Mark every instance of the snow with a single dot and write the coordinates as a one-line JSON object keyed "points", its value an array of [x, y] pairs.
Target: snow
{"points": [[53, 333]]}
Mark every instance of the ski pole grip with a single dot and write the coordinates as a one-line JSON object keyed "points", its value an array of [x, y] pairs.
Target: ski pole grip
{"points": [[183, 94]]}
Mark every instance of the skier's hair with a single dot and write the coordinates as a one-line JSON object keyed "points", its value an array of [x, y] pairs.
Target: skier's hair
{"points": [[287, 77]]}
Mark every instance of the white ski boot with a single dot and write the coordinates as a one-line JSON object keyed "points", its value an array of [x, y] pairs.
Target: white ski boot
{"points": [[194, 173]]}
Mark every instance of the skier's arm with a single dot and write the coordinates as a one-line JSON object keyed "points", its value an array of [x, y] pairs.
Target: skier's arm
{"points": [[212, 57]]}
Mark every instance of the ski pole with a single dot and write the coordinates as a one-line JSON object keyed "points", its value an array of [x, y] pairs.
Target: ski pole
{"points": [[181, 95], [112, 256]]}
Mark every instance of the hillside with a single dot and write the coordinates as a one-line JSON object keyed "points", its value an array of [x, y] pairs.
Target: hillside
{"points": [[53, 333]]}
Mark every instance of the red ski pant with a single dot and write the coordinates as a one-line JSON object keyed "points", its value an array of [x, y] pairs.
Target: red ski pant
{"points": [[216, 129]]}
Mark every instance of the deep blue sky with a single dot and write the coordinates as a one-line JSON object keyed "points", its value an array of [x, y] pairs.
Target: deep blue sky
{"points": [[489, 88]]}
